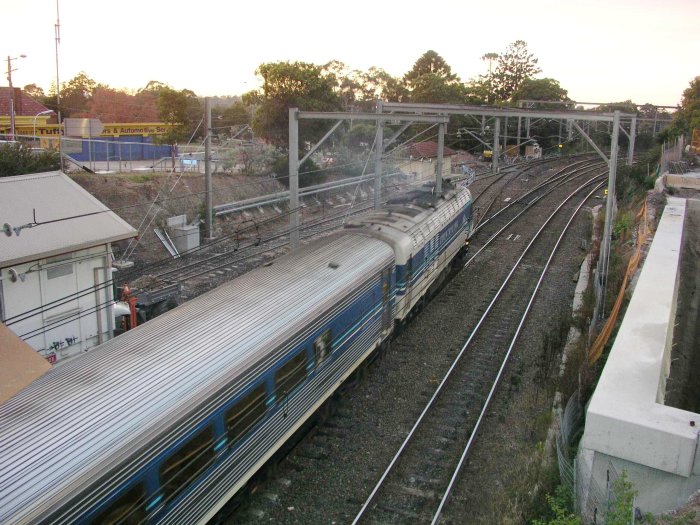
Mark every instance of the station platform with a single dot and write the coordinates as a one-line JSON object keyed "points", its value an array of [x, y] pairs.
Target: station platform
{"points": [[628, 425]]}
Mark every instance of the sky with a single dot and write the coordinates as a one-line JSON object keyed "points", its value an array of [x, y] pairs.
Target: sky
{"points": [[647, 51]]}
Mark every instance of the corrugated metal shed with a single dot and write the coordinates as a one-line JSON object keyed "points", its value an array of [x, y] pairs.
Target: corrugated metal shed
{"points": [[54, 196]]}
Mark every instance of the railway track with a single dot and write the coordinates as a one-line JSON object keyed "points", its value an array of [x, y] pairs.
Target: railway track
{"points": [[418, 481], [329, 475]]}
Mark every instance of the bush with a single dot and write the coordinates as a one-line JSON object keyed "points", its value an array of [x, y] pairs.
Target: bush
{"points": [[560, 509], [309, 172], [19, 159]]}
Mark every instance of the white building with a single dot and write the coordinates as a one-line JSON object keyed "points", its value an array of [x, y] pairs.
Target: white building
{"points": [[56, 263]]}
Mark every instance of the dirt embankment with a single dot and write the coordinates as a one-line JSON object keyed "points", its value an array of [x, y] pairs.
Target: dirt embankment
{"points": [[146, 200]]}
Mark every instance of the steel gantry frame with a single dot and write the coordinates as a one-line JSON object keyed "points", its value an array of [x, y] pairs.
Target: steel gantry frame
{"points": [[380, 119], [571, 118]]}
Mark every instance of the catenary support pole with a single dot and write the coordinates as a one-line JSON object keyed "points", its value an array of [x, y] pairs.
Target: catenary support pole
{"points": [[633, 133], [609, 202], [378, 150], [294, 177], [207, 173], [440, 160], [496, 144]]}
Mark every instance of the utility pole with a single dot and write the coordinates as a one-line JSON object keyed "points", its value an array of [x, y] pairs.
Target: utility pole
{"points": [[12, 93], [12, 98], [57, 31], [207, 173]]}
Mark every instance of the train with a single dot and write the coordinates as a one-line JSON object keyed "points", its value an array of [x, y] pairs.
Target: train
{"points": [[165, 423]]}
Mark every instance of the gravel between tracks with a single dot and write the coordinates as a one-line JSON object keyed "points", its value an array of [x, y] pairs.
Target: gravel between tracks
{"points": [[327, 477]]}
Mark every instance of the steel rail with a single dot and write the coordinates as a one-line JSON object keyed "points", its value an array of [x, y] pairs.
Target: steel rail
{"points": [[456, 361], [526, 208], [518, 330], [587, 164]]}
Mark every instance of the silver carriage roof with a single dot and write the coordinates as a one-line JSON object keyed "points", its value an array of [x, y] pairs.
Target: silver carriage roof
{"points": [[409, 221], [62, 430]]}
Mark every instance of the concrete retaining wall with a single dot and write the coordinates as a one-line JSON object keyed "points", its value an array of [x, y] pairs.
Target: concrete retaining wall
{"points": [[627, 424]]}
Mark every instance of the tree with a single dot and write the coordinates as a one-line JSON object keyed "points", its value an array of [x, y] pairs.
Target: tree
{"points": [[153, 86], [181, 109], [484, 86], [687, 117], [76, 94], [292, 84], [377, 84], [690, 104], [111, 105], [35, 92], [514, 67], [432, 88], [545, 89], [431, 80], [236, 114], [430, 63]]}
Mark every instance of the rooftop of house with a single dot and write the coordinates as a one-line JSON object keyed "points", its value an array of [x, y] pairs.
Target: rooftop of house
{"points": [[25, 106]]}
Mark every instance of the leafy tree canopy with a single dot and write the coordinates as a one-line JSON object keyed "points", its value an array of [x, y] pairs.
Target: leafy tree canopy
{"points": [[431, 80], [546, 89], [514, 66], [236, 114], [431, 63], [302, 85], [112, 105], [35, 92], [76, 94], [182, 110], [432, 88], [690, 104], [687, 117]]}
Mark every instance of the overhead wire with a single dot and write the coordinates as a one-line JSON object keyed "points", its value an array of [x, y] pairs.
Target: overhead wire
{"points": [[90, 290]]}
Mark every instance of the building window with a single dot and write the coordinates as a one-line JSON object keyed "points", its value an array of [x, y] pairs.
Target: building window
{"points": [[242, 416], [183, 466], [59, 270]]}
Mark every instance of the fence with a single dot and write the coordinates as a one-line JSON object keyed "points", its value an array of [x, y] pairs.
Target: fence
{"points": [[591, 500], [671, 154], [596, 349]]}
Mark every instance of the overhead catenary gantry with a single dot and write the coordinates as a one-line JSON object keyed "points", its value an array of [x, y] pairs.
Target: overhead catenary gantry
{"points": [[571, 118], [380, 119]]}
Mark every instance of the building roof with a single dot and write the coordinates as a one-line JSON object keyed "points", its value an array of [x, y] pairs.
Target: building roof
{"points": [[54, 197], [427, 150], [25, 106], [20, 364]]}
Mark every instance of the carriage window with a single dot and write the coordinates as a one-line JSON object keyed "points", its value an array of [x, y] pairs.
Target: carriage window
{"points": [[127, 508], [241, 417], [291, 374], [323, 347], [187, 463]]}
